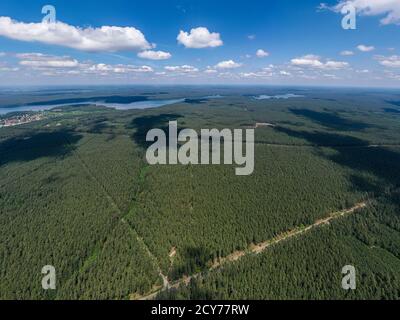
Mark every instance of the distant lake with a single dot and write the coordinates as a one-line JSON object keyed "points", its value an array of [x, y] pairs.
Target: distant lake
{"points": [[146, 104], [279, 96]]}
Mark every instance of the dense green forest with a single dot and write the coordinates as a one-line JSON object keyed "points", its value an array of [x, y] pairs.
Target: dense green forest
{"points": [[309, 267], [76, 192]]}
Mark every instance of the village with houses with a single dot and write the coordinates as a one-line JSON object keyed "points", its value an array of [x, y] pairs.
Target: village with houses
{"points": [[20, 119]]}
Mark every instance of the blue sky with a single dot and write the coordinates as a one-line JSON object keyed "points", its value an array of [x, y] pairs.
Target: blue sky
{"points": [[201, 42]]}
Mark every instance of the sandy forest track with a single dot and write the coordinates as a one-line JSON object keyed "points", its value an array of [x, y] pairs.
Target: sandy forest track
{"points": [[255, 249]]}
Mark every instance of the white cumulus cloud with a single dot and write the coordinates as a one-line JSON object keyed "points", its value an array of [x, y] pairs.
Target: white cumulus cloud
{"points": [[199, 38], [313, 61], [65, 65], [182, 69], [106, 38], [102, 68], [210, 70], [334, 65], [347, 53], [228, 64], [39, 60], [365, 48], [261, 53], [284, 73], [391, 62], [307, 61], [154, 55], [390, 9]]}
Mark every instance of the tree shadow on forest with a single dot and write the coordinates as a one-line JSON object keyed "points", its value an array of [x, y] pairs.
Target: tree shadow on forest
{"points": [[196, 101], [395, 103], [101, 127], [330, 120], [391, 110], [363, 185], [38, 145], [194, 260], [356, 154], [319, 138], [143, 125]]}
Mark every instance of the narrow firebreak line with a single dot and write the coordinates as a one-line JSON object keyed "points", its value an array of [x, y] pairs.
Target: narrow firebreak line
{"points": [[166, 284], [257, 249], [122, 220]]}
